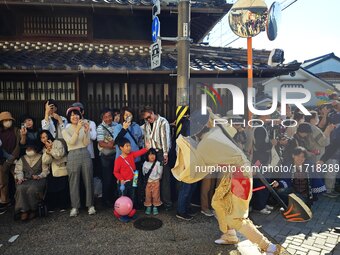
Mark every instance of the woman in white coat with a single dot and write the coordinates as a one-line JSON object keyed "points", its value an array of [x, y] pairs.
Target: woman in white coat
{"points": [[55, 156]]}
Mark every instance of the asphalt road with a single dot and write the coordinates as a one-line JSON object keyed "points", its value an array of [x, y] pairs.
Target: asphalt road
{"points": [[103, 234]]}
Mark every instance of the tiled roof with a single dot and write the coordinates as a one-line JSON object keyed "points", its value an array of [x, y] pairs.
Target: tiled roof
{"points": [[314, 61], [169, 3], [95, 57]]}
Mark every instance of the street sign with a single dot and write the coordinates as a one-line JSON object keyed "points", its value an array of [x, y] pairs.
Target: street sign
{"points": [[155, 28], [155, 54]]}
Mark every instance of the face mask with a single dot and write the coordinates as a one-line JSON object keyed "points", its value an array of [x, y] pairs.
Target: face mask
{"points": [[30, 153], [7, 123]]}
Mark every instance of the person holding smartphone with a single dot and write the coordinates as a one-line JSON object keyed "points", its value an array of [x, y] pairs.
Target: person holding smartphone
{"points": [[55, 156], [130, 130], [28, 132], [79, 163], [53, 122], [93, 129]]}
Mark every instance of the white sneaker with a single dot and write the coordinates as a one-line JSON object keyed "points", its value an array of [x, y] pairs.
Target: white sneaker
{"points": [[207, 213], [227, 239], [91, 210], [74, 212], [265, 211], [268, 207]]}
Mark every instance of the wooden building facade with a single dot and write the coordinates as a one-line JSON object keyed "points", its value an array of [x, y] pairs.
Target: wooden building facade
{"points": [[97, 52]]}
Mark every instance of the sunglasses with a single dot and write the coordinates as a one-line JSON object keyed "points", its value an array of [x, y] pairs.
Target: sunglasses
{"points": [[148, 118]]}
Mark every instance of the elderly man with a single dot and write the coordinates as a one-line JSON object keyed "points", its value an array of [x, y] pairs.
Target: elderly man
{"points": [[157, 132], [107, 153]]}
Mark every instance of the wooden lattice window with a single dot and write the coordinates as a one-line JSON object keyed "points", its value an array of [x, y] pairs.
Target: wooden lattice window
{"points": [[55, 26], [12, 90], [60, 91]]}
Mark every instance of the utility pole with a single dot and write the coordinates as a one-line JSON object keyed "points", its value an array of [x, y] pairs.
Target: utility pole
{"points": [[183, 62]]}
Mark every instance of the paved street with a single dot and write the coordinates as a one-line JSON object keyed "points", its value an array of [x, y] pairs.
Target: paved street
{"points": [[103, 234], [313, 237]]}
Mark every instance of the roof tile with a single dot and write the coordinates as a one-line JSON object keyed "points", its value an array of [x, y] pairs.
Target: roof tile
{"points": [[84, 56]]}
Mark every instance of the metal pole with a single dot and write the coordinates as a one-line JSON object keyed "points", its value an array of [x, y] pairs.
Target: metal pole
{"points": [[250, 67], [183, 60]]}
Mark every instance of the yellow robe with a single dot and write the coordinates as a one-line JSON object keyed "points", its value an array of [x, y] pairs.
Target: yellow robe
{"points": [[214, 149]]}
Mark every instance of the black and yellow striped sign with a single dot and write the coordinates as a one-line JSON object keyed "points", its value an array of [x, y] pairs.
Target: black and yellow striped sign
{"points": [[180, 112]]}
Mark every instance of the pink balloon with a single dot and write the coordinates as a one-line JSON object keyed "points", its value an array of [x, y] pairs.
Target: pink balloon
{"points": [[123, 205]]}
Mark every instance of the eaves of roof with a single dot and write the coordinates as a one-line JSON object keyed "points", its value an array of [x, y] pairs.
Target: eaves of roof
{"points": [[314, 61], [202, 5], [108, 58]]}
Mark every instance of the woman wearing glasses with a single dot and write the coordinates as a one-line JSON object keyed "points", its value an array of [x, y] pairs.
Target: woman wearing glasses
{"points": [[130, 130]]}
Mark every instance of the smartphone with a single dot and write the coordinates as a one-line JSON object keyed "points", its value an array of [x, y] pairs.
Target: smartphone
{"points": [[129, 119], [23, 125]]}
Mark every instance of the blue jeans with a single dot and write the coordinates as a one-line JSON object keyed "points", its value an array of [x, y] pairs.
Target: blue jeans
{"points": [[108, 180], [184, 197], [260, 197]]}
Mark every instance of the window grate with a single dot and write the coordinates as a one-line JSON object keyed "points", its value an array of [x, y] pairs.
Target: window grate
{"points": [[55, 26], [12, 90], [60, 91]]}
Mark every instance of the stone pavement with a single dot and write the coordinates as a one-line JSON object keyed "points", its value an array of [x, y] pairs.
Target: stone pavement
{"points": [[310, 238]]}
